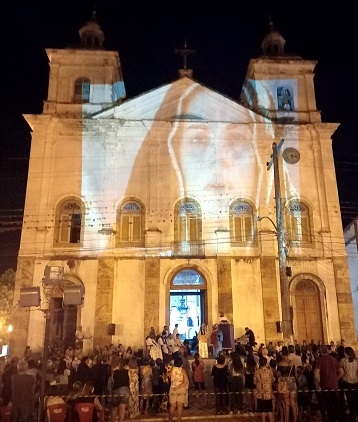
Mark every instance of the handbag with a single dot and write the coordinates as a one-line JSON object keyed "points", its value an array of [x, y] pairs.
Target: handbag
{"points": [[282, 386]]}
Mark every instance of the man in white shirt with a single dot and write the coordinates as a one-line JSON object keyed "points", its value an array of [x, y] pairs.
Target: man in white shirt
{"points": [[170, 343]]}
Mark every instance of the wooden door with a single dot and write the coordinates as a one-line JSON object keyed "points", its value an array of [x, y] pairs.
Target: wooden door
{"points": [[308, 312]]}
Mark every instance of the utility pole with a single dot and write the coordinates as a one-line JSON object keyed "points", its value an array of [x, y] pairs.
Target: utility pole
{"points": [[281, 244], [48, 319]]}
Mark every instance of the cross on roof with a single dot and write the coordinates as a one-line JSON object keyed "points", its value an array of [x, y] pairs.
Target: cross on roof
{"points": [[185, 52]]}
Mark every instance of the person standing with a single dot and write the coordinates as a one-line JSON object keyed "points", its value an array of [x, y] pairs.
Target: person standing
{"points": [[120, 389], [133, 373], [23, 394], [152, 333], [146, 385], [250, 336], [6, 380], [87, 342], [237, 383], [100, 374], [220, 374], [250, 369], [79, 336], [350, 382], [178, 389], [186, 367], [287, 370], [216, 340], [177, 345], [166, 351], [292, 355], [203, 342], [263, 379], [175, 331], [170, 343], [154, 348], [327, 372], [165, 331], [198, 367]]}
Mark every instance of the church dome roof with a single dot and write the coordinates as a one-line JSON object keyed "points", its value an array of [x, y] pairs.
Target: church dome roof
{"points": [[273, 43], [91, 35]]}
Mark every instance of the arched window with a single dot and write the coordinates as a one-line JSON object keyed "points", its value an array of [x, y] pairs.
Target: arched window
{"points": [[188, 227], [285, 98], [81, 91], [298, 223], [69, 222], [130, 221], [242, 227]]}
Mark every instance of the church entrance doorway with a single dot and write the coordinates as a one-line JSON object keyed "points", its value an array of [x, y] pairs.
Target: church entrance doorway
{"points": [[308, 312], [63, 326], [188, 307]]}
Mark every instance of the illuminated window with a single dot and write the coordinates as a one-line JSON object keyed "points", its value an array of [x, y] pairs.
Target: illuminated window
{"points": [[242, 223], [298, 224], [188, 277], [188, 221], [69, 217], [82, 91], [188, 228], [285, 99], [130, 222]]}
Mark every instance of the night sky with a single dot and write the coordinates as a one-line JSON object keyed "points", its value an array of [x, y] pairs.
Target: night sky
{"points": [[225, 35]]}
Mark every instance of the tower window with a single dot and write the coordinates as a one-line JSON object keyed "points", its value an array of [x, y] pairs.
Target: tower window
{"points": [[285, 99], [82, 91]]}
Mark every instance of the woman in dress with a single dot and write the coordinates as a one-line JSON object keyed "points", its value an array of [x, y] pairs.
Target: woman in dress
{"points": [[178, 389], [154, 348], [216, 341], [197, 367], [133, 404], [146, 385], [203, 338]]}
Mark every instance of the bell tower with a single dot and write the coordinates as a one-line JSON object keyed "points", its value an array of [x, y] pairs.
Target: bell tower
{"points": [[279, 85], [85, 78]]}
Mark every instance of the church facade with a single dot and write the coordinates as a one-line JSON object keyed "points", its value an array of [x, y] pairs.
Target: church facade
{"points": [[180, 203]]}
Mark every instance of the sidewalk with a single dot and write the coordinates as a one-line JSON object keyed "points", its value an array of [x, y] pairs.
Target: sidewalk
{"points": [[202, 407]]}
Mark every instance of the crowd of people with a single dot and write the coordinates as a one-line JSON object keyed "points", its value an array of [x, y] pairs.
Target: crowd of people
{"points": [[165, 377]]}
